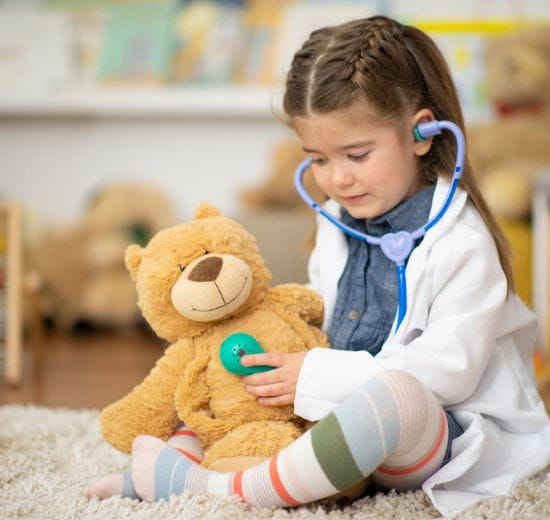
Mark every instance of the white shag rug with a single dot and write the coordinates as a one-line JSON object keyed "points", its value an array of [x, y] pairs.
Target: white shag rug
{"points": [[48, 456]]}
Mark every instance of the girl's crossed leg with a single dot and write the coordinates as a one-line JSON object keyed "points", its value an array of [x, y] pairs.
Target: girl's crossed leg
{"points": [[393, 427]]}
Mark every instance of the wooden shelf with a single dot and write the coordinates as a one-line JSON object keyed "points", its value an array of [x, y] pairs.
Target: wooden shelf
{"points": [[10, 291], [209, 102]]}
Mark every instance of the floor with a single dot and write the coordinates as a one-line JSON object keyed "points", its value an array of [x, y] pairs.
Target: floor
{"points": [[83, 370], [92, 369]]}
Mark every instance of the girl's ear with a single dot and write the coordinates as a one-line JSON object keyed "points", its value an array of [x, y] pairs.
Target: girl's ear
{"points": [[422, 146]]}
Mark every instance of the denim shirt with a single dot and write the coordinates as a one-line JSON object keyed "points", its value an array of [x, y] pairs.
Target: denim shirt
{"points": [[367, 290]]}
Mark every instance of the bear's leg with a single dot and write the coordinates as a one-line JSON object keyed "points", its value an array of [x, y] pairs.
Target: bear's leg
{"points": [[249, 444], [392, 419], [183, 439]]}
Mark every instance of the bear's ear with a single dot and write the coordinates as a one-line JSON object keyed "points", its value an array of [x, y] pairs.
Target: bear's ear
{"points": [[206, 210], [132, 259]]}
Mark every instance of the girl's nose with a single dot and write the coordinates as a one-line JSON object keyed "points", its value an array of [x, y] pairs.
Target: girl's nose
{"points": [[341, 176]]}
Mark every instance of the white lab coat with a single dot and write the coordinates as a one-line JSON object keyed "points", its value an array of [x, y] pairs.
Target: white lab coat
{"points": [[474, 352]]}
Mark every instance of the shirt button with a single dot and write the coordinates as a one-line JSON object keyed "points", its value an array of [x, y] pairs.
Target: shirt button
{"points": [[353, 315]]}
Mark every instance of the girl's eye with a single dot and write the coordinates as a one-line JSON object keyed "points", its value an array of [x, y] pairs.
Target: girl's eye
{"points": [[358, 157], [317, 160]]}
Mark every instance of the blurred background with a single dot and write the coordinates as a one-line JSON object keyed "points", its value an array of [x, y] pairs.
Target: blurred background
{"points": [[118, 117]]}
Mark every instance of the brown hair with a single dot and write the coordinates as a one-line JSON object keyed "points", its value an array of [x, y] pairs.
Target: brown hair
{"points": [[398, 69]]}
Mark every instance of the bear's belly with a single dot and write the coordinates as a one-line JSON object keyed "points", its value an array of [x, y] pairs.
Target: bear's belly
{"points": [[228, 397]]}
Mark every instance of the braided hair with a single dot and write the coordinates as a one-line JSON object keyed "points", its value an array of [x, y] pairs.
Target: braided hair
{"points": [[398, 70]]}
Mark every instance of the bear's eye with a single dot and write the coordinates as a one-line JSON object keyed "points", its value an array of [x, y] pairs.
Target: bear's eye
{"points": [[182, 268]]}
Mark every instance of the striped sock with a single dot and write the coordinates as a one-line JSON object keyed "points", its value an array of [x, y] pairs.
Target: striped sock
{"points": [[392, 418], [183, 439]]}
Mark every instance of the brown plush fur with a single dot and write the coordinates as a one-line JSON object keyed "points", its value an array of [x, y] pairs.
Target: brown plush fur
{"points": [[510, 152], [277, 191], [81, 266], [189, 382]]}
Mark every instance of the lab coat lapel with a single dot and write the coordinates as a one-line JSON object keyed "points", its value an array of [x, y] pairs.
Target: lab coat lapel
{"points": [[417, 261]]}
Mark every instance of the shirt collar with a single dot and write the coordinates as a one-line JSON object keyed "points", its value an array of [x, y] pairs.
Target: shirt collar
{"points": [[409, 215]]}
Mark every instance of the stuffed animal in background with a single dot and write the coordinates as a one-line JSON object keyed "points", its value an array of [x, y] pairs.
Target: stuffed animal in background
{"points": [[507, 156], [509, 152], [81, 267], [278, 192], [275, 214], [199, 282], [518, 71]]}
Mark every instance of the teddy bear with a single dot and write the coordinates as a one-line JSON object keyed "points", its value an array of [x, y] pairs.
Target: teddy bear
{"points": [[277, 190], [274, 213], [198, 283], [509, 152], [88, 280]]}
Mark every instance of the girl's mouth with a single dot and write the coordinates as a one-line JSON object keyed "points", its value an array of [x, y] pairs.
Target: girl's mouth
{"points": [[354, 198]]}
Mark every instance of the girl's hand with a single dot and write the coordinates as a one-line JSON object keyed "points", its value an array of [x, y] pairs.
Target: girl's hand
{"points": [[275, 387]]}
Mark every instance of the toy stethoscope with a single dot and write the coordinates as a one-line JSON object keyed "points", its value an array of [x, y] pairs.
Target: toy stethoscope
{"points": [[397, 246]]}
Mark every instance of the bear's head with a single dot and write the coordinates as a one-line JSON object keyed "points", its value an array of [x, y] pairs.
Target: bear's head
{"points": [[192, 274], [518, 70]]}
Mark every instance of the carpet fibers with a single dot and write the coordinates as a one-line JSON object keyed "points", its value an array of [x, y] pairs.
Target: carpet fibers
{"points": [[48, 456]]}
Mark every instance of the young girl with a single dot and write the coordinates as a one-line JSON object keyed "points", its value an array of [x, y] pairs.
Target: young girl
{"points": [[445, 402]]}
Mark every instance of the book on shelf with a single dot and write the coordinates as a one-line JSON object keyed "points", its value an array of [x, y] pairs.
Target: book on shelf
{"points": [[35, 55], [209, 40], [137, 42]]}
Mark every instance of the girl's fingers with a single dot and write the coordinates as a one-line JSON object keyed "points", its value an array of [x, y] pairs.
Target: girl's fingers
{"points": [[274, 390], [272, 359], [265, 378]]}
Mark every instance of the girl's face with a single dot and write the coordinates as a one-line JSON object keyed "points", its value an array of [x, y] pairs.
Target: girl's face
{"points": [[365, 165]]}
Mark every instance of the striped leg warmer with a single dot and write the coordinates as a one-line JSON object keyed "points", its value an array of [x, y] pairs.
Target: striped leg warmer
{"points": [[183, 439], [393, 419]]}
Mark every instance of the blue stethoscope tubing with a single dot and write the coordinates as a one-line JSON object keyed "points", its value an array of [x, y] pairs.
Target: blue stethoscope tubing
{"points": [[397, 246]]}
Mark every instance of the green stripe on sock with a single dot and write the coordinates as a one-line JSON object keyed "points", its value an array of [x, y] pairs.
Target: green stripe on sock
{"points": [[333, 454]]}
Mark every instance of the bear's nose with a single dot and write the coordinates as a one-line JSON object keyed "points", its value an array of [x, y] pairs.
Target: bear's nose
{"points": [[206, 270]]}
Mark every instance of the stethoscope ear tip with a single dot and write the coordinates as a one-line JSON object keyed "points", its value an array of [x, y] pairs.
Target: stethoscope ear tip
{"points": [[417, 135]]}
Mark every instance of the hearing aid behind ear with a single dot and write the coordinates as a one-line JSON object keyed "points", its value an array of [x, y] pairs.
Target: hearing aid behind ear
{"points": [[234, 347]]}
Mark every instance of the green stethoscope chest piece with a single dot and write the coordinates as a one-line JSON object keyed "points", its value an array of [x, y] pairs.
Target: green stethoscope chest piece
{"points": [[234, 347]]}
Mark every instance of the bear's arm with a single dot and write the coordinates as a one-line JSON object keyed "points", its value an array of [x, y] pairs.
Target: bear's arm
{"points": [[298, 300], [149, 408]]}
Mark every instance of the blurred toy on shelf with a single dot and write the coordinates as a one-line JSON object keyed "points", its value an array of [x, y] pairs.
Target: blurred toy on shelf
{"points": [[518, 71], [277, 191], [81, 266], [510, 151], [277, 216]]}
